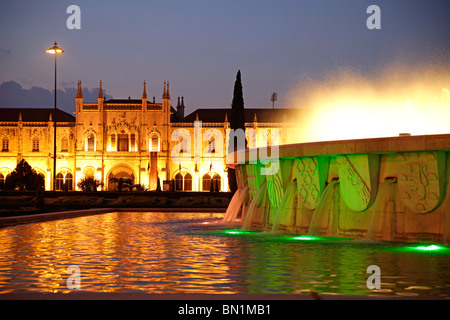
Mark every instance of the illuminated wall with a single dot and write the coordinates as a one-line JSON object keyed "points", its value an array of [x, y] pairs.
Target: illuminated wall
{"points": [[116, 138]]}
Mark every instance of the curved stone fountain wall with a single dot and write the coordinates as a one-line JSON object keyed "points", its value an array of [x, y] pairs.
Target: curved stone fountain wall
{"points": [[394, 189]]}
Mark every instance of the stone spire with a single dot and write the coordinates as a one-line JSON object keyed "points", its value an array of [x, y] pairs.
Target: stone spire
{"points": [[168, 91], [165, 91], [144, 93], [100, 91], [79, 92], [180, 107]]}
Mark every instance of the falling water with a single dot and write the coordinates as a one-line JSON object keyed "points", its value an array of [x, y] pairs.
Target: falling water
{"points": [[382, 210], [257, 201], [322, 214], [286, 206], [235, 204]]}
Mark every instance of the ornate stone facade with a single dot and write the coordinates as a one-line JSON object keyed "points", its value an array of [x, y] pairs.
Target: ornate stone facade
{"points": [[131, 138]]}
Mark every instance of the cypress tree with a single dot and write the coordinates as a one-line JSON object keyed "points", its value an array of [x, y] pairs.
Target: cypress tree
{"points": [[237, 121]]}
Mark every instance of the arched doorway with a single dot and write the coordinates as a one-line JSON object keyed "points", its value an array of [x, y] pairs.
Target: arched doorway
{"points": [[120, 178]]}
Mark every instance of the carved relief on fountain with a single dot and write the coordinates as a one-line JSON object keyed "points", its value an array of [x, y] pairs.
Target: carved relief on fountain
{"points": [[279, 181], [311, 174], [275, 188], [358, 177], [255, 179], [419, 184]]}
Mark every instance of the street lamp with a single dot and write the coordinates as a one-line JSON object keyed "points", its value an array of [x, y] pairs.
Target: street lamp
{"points": [[54, 50]]}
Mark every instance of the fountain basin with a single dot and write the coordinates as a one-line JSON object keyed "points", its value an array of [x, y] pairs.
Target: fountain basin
{"points": [[392, 188]]}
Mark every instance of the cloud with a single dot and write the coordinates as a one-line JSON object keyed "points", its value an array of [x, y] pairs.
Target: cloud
{"points": [[12, 94]]}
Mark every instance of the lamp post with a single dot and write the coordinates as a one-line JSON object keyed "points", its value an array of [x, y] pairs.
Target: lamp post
{"points": [[54, 50]]}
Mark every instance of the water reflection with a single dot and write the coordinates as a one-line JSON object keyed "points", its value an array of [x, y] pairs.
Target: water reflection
{"points": [[179, 253]]}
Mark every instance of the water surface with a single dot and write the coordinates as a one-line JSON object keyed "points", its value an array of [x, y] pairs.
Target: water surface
{"points": [[158, 252]]}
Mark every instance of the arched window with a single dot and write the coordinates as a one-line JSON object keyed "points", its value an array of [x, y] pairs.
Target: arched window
{"points": [[64, 182], [206, 182], [133, 142], [35, 144], [3, 180], [123, 142], [212, 146], [64, 144], [187, 182], [183, 182], [211, 184], [68, 184], [217, 182], [91, 143], [5, 144], [113, 142], [59, 182], [178, 182], [154, 146]]}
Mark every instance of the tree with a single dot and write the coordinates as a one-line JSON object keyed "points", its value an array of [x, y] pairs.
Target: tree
{"points": [[24, 178], [89, 184], [237, 121]]}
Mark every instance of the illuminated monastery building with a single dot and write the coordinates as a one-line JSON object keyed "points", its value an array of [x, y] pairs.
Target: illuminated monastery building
{"points": [[139, 139]]}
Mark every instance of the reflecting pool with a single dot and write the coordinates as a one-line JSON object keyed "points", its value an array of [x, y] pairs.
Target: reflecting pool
{"points": [[158, 252]]}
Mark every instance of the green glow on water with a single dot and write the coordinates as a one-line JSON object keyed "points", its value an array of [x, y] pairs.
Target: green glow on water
{"points": [[423, 248], [306, 238], [237, 232], [268, 236], [315, 238], [432, 247]]}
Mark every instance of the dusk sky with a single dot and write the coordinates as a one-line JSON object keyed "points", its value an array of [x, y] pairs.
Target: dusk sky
{"points": [[199, 45]]}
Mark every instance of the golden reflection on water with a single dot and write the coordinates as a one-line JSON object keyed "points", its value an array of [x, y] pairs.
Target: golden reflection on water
{"points": [[179, 253], [115, 252]]}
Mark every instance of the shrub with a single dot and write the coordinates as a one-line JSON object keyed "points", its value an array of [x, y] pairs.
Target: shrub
{"points": [[89, 184]]}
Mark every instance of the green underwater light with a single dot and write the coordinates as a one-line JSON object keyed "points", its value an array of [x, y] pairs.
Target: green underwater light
{"points": [[237, 232], [432, 247], [306, 238], [233, 232], [424, 248]]}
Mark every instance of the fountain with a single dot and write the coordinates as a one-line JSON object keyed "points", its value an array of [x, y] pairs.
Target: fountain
{"points": [[394, 188], [323, 218], [379, 227], [236, 204], [286, 208], [258, 200]]}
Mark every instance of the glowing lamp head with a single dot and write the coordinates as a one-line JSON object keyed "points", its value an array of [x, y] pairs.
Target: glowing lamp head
{"points": [[55, 49]]}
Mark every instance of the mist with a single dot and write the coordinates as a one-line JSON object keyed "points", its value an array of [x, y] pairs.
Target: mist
{"points": [[349, 104]]}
